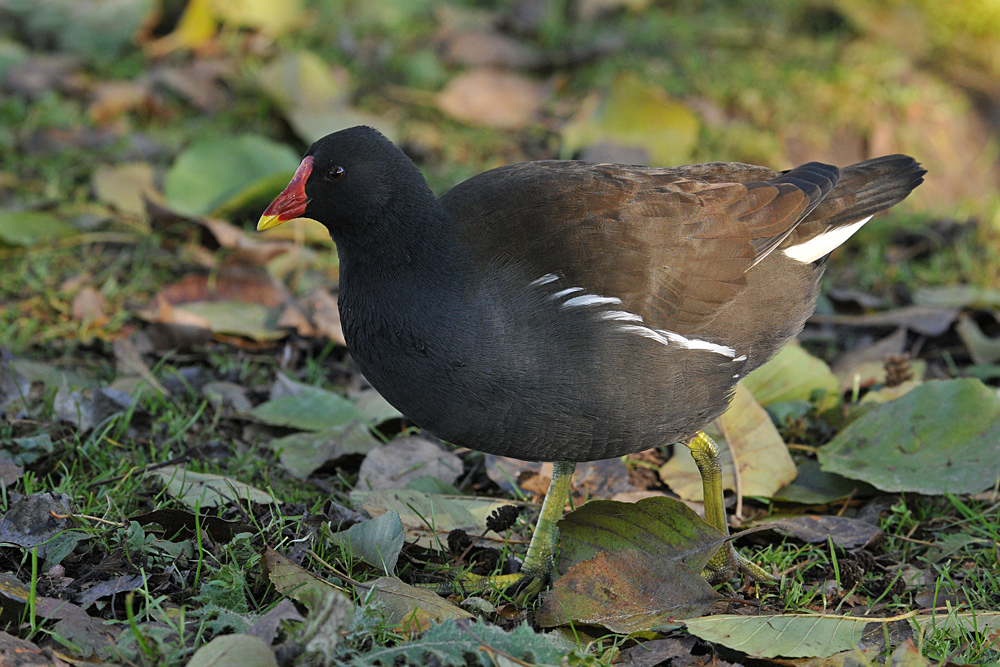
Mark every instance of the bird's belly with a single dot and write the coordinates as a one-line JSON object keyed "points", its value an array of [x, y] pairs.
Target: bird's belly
{"points": [[550, 395]]}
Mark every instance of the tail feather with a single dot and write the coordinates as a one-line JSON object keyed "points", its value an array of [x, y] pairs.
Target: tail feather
{"points": [[863, 190]]}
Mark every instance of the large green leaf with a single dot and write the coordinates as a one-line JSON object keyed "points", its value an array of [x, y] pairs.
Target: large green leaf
{"points": [[27, 228], [313, 409], [793, 375], [631, 567], [942, 437], [376, 542], [786, 635], [635, 114], [220, 173]]}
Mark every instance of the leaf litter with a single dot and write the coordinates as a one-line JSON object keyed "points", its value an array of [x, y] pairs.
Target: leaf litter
{"points": [[203, 435]]}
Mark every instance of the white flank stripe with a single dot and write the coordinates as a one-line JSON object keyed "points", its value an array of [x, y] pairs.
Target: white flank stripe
{"points": [[621, 316], [590, 300], [645, 332], [742, 357], [566, 292], [695, 344], [545, 280], [825, 243]]}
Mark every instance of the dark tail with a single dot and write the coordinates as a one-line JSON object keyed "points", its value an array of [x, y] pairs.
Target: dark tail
{"points": [[868, 187]]}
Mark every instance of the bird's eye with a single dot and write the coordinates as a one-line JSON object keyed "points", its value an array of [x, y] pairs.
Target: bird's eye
{"points": [[335, 173]]}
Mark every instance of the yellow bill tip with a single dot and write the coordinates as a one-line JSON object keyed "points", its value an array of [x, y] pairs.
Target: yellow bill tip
{"points": [[269, 221]]}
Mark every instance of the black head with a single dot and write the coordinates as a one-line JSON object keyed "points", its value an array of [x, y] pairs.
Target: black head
{"points": [[355, 182]]}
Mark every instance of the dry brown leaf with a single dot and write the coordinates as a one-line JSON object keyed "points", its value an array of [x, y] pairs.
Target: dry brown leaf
{"points": [[89, 306], [127, 186], [493, 98], [482, 48], [112, 99]]}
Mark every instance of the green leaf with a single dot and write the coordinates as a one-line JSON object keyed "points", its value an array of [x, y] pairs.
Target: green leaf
{"points": [[28, 228], [785, 635], [221, 173], [626, 591], [376, 542], [313, 409], [415, 609], [941, 437], [455, 643], [303, 453], [234, 651], [199, 489], [813, 486], [635, 114], [631, 567], [429, 518], [793, 375], [237, 318], [295, 581]]}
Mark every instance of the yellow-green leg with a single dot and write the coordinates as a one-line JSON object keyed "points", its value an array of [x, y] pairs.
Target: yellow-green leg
{"points": [[540, 560], [727, 561]]}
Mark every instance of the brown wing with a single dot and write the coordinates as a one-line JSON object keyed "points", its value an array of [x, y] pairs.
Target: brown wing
{"points": [[673, 244]]}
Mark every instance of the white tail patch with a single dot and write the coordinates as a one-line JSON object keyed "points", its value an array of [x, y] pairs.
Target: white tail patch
{"points": [[825, 243]]}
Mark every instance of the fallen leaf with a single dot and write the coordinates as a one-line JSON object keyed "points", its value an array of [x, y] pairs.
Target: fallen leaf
{"points": [[113, 99], [125, 583], [293, 580], [787, 635], [845, 532], [88, 307], [631, 566], [126, 186], [941, 437], [793, 375], [983, 349], [927, 320], [222, 173], [200, 490], [414, 609], [302, 454], [326, 315], [468, 643], [813, 486], [957, 296], [625, 591], [314, 96], [428, 518], [635, 114], [489, 48], [234, 651], [377, 541], [268, 625], [31, 521], [274, 17], [20, 653], [394, 464], [312, 409], [494, 98], [91, 407], [30, 228]]}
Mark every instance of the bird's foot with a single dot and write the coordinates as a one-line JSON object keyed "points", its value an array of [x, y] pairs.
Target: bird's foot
{"points": [[728, 562], [521, 587]]}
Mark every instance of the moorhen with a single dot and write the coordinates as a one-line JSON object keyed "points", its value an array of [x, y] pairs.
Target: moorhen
{"points": [[566, 311]]}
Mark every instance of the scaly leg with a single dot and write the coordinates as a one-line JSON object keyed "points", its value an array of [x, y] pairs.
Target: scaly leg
{"points": [[540, 560], [727, 561]]}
